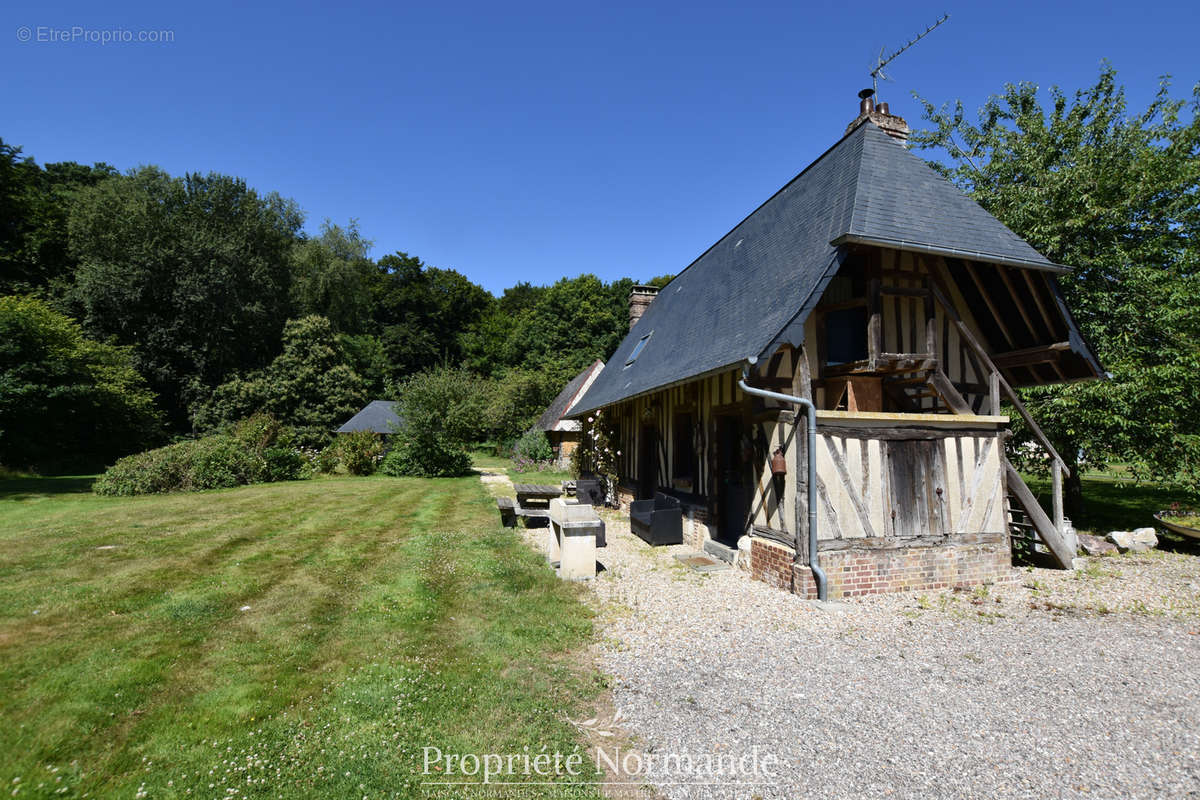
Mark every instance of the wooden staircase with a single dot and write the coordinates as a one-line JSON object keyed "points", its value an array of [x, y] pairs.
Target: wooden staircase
{"points": [[1026, 516], [1027, 520]]}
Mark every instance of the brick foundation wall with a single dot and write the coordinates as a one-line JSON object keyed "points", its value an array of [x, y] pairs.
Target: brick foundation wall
{"points": [[625, 496], [695, 527], [962, 561]]}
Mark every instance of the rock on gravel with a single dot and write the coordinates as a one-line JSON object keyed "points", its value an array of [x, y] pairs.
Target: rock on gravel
{"points": [[1138, 541]]}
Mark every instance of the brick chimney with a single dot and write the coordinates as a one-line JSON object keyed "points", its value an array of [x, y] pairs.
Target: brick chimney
{"points": [[894, 127], [640, 298]]}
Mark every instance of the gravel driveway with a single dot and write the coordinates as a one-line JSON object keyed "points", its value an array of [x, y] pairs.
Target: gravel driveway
{"points": [[1060, 685]]}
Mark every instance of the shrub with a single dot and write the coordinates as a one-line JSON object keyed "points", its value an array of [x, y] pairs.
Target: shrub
{"points": [[359, 452], [257, 450], [533, 446], [325, 460], [426, 458], [441, 410]]}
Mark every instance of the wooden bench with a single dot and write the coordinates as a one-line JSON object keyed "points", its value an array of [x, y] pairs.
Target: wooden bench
{"points": [[508, 511]]}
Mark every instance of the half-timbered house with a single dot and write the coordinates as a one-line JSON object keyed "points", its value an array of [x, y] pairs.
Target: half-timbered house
{"points": [[906, 314]]}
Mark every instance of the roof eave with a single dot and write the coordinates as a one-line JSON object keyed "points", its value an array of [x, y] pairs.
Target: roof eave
{"points": [[952, 252]]}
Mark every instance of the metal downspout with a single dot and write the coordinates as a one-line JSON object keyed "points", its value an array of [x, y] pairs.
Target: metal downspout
{"points": [[811, 430]]}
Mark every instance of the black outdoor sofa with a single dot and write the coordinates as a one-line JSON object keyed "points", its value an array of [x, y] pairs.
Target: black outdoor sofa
{"points": [[657, 521]]}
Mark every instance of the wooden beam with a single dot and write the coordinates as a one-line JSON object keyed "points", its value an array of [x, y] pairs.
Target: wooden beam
{"points": [[1037, 298], [992, 369], [1057, 488], [987, 299], [1017, 301], [942, 385], [1042, 354], [904, 291], [855, 302]]}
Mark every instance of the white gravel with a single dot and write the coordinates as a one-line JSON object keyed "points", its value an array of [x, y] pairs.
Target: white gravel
{"points": [[1060, 685]]}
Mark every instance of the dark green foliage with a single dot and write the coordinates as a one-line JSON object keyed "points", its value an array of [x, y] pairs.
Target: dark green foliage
{"points": [[1113, 194], [309, 386], [561, 328], [365, 355], [257, 450], [441, 409], [66, 401], [34, 205], [516, 400], [420, 312], [191, 272], [533, 446], [331, 277], [359, 452]]}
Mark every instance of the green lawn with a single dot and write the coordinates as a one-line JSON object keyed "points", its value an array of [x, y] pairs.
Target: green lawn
{"points": [[552, 477], [303, 639], [1112, 502]]}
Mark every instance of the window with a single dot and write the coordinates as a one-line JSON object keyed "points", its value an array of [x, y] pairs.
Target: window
{"points": [[637, 348], [846, 336]]}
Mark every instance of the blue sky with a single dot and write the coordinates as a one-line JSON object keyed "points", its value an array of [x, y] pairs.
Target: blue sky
{"points": [[528, 141]]}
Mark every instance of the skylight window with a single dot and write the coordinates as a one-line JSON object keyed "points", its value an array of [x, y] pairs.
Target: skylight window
{"points": [[637, 348]]}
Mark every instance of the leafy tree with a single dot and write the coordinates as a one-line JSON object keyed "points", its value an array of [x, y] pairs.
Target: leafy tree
{"points": [[561, 328], [309, 386], [191, 272], [421, 312], [331, 277], [516, 400], [34, 203], [1116, 195], [440, 411], [366, 355], [66, 401]]}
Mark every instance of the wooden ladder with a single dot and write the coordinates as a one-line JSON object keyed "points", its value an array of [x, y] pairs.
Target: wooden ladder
{"points": [[1028, 517]]}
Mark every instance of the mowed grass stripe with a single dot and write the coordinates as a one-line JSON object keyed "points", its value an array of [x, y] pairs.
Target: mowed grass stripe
{"points": [[384, 614]]}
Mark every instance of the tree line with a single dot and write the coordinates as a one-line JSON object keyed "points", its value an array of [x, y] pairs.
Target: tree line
{"points": [[216, 303]]}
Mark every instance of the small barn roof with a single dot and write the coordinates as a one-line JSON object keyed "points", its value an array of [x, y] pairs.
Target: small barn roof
{"points": [[754, 288], [552, 418], [379, 416]]}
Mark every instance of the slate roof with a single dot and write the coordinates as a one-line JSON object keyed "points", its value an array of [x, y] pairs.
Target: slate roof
{"points": [[755, 287], [378, 417], [552, 418]]}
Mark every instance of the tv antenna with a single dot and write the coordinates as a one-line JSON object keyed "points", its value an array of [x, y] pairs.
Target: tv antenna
{"points": [[881, 62]]}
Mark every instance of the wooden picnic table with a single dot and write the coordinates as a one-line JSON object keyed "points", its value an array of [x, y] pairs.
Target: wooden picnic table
{"points": [[536, 493]]}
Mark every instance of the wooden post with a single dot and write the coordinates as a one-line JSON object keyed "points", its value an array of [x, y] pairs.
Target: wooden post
{"points": [[1056, 472], [874, 322], [994, 392]]}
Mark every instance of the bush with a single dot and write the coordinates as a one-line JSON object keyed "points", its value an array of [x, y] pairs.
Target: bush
{"points": [[326, 460], [429, 458], [257, 450], [533, 446], [441, 411], [359, 452]]}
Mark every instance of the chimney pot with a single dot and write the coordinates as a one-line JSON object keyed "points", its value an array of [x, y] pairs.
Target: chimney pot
{"points": [[881, 115], [640, 298]]}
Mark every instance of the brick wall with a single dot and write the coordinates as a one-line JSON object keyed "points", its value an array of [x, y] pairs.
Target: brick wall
{"points": [[960, 562]]}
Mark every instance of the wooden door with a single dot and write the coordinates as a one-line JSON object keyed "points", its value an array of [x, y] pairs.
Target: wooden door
{"points": [[647, 463], [733, 482], [917, 475]]}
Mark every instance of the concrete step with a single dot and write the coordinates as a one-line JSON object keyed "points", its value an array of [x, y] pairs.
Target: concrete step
{"points": [[718, 550]]}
